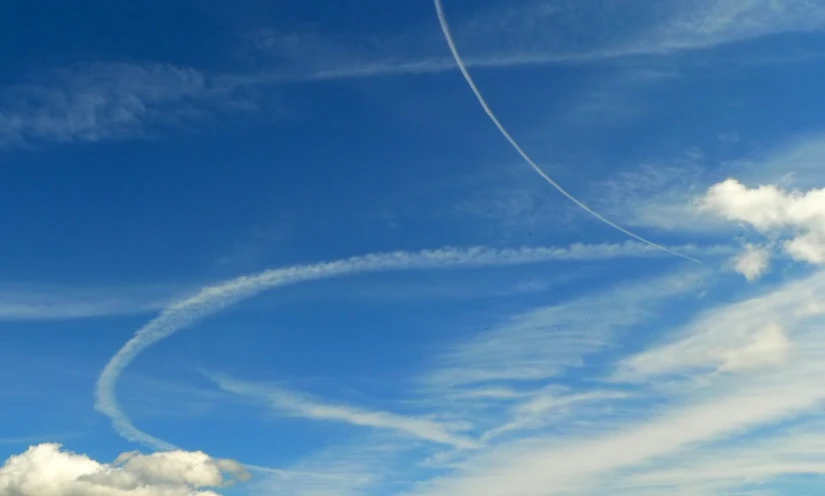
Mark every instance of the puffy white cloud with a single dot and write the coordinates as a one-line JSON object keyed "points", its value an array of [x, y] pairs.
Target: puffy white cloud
{"points": [[47, 470], [775, 211], [809, 247], [752, 261]]}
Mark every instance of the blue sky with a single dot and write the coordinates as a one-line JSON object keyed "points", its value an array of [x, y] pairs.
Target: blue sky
{"points": [[284, 240]]}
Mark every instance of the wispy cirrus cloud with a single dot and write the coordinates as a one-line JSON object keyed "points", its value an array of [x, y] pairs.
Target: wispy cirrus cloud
{"points": [[748, 335], [114, 100], [339, 471], [550, 405], [543, 342], [58, 302], [111, 101], [152, 397], [544, 32], [795, 162], [299, 405], [785, 452], [703, 23], [36, 439], [731, 390], [661, 194]]}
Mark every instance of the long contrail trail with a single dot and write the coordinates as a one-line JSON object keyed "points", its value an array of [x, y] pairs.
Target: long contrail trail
{"points": [[445, 28], [212, 299]]}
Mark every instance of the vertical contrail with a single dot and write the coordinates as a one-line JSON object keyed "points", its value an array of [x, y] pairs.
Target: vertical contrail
{"points": [[445, 28]]}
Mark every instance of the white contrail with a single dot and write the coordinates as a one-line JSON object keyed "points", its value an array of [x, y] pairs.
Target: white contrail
{"points": [[211, 299], [445, 28]]}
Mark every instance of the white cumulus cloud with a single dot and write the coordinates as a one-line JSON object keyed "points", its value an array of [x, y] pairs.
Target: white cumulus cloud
{"points": [[752, 261], [773, 211], [48, 470]]}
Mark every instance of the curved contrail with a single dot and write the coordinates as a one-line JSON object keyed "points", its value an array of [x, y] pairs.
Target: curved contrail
{"points": [[445, 28], [211, 299]]}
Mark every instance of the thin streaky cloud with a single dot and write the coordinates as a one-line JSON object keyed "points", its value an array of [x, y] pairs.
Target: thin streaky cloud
{"points": [[763, 331], [736, 382], [677, 27], [115, 101], [296, 404], [62, 302], [111, 101], [546, 406], [557, 467], [340, 471], [37, 439], [728, 21], [545, 341], [786, 451]]}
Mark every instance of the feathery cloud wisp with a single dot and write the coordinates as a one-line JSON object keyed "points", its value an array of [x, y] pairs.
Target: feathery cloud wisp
{"points": [[740, 375], [109, 102], [302, 406], [545, 406], [29, 302], [544, 342], [544, 32], [753, 334]]}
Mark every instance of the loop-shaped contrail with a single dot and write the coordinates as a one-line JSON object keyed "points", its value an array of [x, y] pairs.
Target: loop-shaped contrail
{"points": [[445, 28], [214, 298]]}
